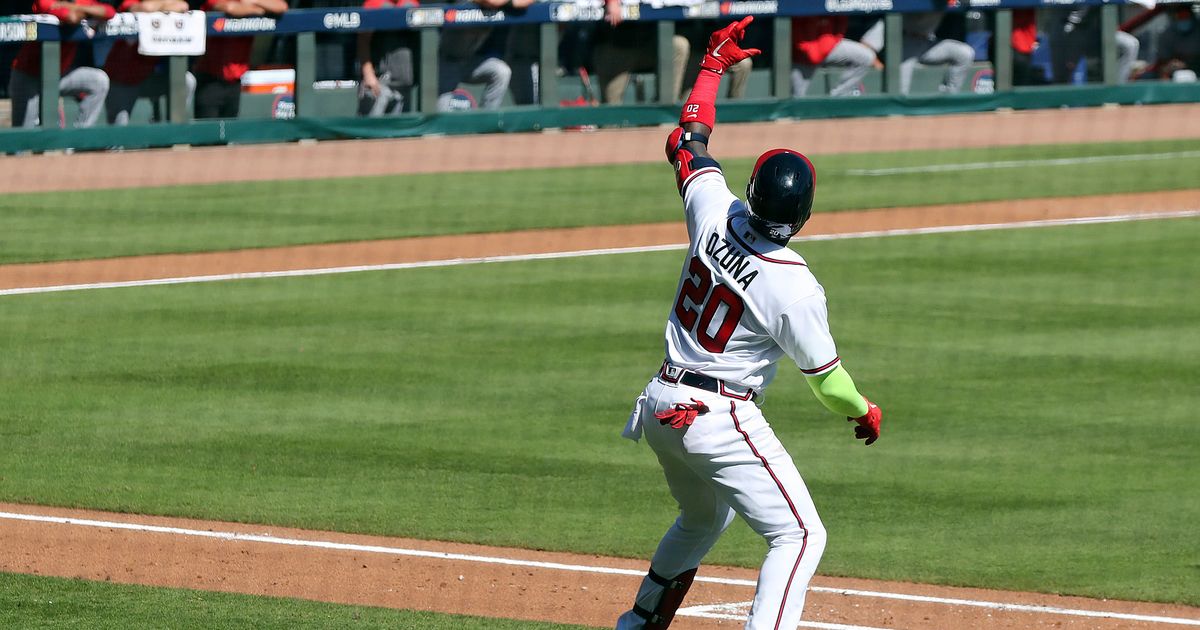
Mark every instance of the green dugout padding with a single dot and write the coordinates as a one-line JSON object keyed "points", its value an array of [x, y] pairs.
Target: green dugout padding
{"points": [[534, 119]]}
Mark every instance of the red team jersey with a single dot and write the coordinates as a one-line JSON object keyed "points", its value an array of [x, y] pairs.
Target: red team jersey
{"points": [[815, 37], [389, 4], [29, 59], [743, 302], [226, 58], [124, 65], [1024, 32]]}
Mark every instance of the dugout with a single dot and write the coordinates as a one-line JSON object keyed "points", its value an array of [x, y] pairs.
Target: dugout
{"points": [[321, 105]]}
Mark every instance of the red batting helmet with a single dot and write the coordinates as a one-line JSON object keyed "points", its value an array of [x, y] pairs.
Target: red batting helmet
{"points": [[780, 193]]}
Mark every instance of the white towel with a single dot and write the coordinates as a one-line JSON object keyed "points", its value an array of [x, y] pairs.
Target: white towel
{"points": [[633, 427]]}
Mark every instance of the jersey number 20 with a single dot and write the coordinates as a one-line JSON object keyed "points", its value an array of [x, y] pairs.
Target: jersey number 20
{"points": [[705, 304]]}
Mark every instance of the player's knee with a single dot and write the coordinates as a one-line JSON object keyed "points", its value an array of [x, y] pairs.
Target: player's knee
{"points": [[965, 54], [703, 526], [816, 538], [811, 536], [1127, 44], [680, 47], [501, 72], [98, 81]]}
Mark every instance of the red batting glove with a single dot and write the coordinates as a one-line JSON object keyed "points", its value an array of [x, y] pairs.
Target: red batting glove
{"points": [[681, 415], [723, 48], [868, 423]]}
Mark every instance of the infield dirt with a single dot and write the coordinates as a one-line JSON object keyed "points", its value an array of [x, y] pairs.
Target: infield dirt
{"points": [[457, 586], [478, 588]]}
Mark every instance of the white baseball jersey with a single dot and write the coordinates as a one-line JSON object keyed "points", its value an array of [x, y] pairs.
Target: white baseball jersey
{"points": [[743, 302]]}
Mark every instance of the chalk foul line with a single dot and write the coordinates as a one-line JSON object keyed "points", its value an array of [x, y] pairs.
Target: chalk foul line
{"points": [[420, 553], [451, 262]]}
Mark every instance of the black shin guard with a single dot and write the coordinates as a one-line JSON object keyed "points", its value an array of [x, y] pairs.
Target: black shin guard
{"points": [[675, 589]]}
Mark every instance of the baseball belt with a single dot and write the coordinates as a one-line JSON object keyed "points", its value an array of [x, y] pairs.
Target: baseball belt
{"points": [[675, 374]]}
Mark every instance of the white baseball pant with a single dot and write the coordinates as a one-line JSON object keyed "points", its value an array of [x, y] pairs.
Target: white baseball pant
{"points": [[856, 58], [729, 460], [955, 55], [88, 85]]}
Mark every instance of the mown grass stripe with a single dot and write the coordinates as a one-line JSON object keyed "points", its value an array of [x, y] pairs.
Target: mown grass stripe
{"points": [[984, 166]]}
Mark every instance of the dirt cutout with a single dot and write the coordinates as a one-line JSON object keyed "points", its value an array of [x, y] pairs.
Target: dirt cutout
{"points": [[365, 575], [526, 242]]}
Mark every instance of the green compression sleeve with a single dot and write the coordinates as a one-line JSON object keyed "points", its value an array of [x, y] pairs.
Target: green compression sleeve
{"points": [[836, 391]]}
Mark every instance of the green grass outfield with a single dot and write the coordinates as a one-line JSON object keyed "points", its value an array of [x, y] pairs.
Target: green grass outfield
{"points": [[1039, 388], [97, 224], [29, 602]]}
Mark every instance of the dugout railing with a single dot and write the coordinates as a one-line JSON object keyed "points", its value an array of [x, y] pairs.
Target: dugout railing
{"points": [[428, 21]]}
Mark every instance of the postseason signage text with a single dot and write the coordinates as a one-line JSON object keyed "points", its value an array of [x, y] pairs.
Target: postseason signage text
{"points": [[18, 31]]}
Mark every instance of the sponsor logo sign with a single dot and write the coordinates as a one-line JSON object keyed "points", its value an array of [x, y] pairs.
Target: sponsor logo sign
{"points": [[578, 12], [461, 101], [425, 17], [284, 107], [473, 16], [122, 25], [18, 31], [341, 20], [244, 25], [703, 10], [751, 7], [984, 82], [859, 6]]}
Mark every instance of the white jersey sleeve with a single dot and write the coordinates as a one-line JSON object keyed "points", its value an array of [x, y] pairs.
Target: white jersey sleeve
{"points": [[804, 335], [706, 198]]}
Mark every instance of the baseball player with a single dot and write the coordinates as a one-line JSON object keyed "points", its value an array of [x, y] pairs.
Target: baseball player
{"points": [[744, 302], [88, 85], [128, 70]]}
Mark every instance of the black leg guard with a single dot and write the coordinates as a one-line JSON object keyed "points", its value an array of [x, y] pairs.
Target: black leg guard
{"points": [[660, 618]]}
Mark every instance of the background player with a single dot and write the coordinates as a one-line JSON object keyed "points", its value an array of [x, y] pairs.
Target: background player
{"points": [[88, 85], [744, 301]]}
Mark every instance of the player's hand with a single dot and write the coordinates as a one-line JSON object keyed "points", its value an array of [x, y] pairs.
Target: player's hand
{"points": [[868, 423], [724, 47], [612, 12], [370, 84]]}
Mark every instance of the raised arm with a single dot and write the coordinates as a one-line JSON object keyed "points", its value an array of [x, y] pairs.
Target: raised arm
{"points": [[687, 146], [152, 6], [249, 8], [75, 12], [497, 5]]}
